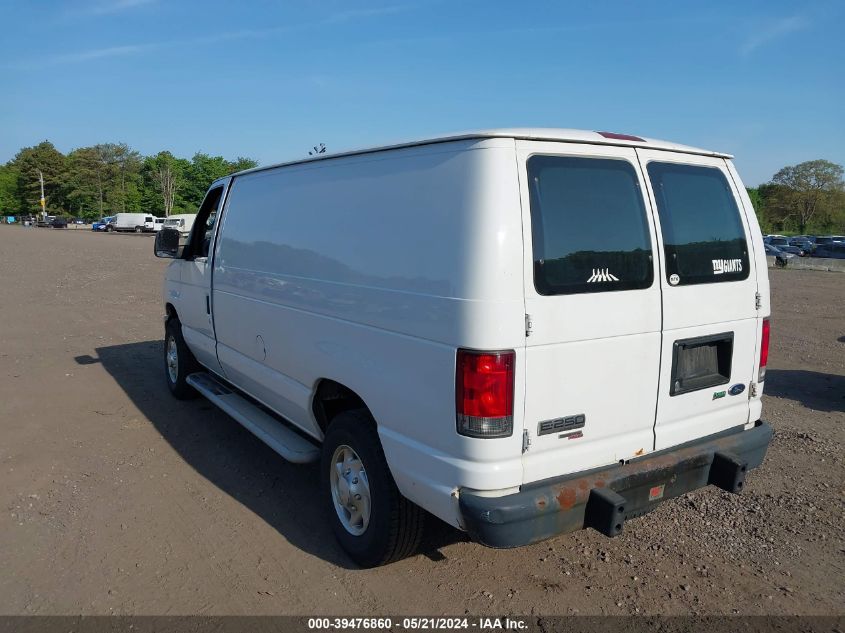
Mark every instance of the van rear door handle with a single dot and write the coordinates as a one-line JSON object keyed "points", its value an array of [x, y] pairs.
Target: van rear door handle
{"points": [[207, 305]]}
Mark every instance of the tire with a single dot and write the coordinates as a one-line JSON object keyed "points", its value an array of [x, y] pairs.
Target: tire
{"points": [[138, 229], [185, 363], [395, 525]]}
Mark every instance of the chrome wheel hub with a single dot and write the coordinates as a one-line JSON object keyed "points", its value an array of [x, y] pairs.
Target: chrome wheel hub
{"points": [[350, 490], [171, 357]]}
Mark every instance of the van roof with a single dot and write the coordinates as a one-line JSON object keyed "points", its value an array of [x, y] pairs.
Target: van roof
{"points": [[534, 134]]}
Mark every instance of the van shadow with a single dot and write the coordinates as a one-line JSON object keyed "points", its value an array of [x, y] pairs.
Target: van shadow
{"points": [[286, 496], [815, 390]]}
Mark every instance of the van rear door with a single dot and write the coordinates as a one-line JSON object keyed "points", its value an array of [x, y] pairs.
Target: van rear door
{"points": [[592, 296], [709, 285]]}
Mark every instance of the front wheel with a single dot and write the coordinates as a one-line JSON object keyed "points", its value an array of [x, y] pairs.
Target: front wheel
{"points": [[179, 362], [370, 518]]}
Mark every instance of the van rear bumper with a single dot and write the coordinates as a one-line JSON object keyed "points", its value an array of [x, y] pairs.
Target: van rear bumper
{"points": [[604, 498]]}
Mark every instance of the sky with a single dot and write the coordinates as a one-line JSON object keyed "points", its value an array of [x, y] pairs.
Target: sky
{"points": [[764, 80]]}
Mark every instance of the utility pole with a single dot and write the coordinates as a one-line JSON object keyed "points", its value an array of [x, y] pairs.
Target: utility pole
{"points": [[43, 201]]}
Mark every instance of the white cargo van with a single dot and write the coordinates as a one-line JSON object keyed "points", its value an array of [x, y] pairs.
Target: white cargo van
{"points": [[524, 332], [129, 222], [154, 224], [182, 222]]}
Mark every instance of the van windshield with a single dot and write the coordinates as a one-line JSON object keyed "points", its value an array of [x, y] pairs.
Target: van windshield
{"points": [[588, 226], [703, 236]]}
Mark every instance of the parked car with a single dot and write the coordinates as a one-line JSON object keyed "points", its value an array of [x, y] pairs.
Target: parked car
{"points": [[783, 244], [823, 240], [59, 222], [479, 326], [805, 245], [781, 258], [768, 238], [834, 250], [102, 224]]}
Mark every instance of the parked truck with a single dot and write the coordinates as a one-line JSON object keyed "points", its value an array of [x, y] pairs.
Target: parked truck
{"points": [[523, 332], [182, 222]]}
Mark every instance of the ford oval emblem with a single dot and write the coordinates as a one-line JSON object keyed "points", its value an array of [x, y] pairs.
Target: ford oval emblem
{"points": [[736, 389]]}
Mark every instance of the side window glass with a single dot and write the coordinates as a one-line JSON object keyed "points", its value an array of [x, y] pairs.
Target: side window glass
{"points": [[203, 231], [210, 222], [589, 226], [703, 235]]}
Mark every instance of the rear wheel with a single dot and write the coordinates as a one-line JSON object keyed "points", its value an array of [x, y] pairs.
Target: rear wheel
{"points": [[371, 519], [138, 229], [179, 362]]}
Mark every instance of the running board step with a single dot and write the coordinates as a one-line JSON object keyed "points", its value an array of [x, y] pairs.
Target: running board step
{"points": [[287, 443]]}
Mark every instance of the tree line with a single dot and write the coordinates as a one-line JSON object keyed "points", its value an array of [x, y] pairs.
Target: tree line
{"points": [[92, 182], [101, 180], [804, 198]]}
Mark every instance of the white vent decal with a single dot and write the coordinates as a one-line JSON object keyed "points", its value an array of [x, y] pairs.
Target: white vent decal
{"points": [[601, 274]]}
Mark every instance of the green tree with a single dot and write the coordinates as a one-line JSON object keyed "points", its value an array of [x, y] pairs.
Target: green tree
{"points": [[122, 166], [206, 169], [86, 183], [807, 192], [45, 158], [203, 171], [9, 197], [163, 181], [241, 163], [758, 202]]}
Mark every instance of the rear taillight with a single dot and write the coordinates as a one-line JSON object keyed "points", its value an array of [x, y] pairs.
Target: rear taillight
{"points": [[764, 350], [484, 393]]}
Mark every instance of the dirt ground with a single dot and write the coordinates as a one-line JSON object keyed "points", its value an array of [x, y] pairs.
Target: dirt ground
{"points": [[116, 498]]}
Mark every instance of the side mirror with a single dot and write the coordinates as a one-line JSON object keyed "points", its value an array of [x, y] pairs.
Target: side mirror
{"points": [[168, 244]]}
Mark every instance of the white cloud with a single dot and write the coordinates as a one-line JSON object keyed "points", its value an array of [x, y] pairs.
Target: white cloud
{"points": [[113, 6], [352, 14], [117, 6], [768, 33]]}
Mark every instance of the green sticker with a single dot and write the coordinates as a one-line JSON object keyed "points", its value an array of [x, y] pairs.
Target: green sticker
{"points": [[718, 394]]}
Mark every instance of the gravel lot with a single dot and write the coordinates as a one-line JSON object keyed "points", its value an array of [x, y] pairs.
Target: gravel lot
{"points": [[118, 499]]}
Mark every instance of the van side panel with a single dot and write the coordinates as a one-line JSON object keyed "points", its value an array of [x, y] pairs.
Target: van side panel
{"points": [[371, 270]]}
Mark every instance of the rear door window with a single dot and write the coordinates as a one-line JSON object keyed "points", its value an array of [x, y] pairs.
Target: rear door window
{"points": [[703, 236], [589, 226]]}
